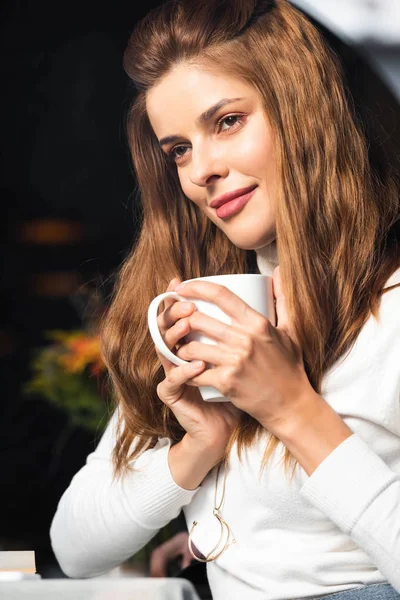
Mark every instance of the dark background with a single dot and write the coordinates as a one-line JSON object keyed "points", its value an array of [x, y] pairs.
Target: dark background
{"points": [[69, 216], [68, 219]]}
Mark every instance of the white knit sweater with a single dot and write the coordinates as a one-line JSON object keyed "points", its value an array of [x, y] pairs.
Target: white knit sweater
{"points": [[335, 530]]}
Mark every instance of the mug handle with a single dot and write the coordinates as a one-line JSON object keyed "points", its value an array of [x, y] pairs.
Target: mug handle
{"points": [[155, 332]]}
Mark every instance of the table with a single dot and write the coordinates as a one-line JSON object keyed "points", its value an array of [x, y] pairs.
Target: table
{"points": [[126, 588]]}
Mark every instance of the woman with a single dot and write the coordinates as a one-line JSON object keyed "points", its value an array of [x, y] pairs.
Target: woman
{"points": [[244, 98]]}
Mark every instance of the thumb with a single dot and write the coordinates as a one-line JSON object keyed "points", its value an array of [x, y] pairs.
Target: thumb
{"points": [[282, 315]]}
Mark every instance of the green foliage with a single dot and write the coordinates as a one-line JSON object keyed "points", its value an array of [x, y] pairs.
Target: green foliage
{"points": [[70, 374], [77, 392]]}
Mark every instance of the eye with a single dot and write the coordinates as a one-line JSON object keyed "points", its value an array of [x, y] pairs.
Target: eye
{"points": [[174, 156], [178, 152], [237, 121]]}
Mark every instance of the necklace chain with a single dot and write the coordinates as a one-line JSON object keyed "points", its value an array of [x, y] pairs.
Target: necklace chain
{"points": [[225, 529]]}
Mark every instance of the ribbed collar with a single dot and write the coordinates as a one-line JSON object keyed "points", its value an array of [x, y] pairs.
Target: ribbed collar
{"points": [[267, 258]]}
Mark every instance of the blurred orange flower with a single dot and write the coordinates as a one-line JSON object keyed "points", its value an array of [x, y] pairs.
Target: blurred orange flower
{"points": [[81, 351]]}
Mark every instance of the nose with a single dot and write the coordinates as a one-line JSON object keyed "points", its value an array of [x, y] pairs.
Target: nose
{"points": [[206, 165]]}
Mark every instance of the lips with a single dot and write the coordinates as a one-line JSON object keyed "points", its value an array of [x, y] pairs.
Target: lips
{"points": [[231, 196]]}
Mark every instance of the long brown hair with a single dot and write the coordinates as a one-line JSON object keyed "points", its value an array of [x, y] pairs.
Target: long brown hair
{"points": [[337, 219]]}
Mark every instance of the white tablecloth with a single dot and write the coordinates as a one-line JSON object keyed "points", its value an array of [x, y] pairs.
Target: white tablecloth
{"points": [[126, 588]]}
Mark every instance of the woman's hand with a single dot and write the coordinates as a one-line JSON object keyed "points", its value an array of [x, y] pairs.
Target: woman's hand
{"points": [[208, 424], [257, 366], [168, 551]]}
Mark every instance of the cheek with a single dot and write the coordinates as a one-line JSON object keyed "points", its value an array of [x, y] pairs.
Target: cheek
{"points": [[193, 192], [256, 152]]}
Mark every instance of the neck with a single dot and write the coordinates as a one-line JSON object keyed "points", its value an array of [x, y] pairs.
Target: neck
{"points": [[267, 258]]}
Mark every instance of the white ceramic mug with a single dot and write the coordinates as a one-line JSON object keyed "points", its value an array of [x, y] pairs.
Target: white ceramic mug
{"points": [[256, 290]]}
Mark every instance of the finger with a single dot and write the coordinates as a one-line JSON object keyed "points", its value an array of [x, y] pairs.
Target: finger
{"points": [[208, 374], [174, 336], [173, 323], [170, 389], [211, 353], [171, 287], [158, 564], [176, 545], [215, 329], [166, 364], [225, 299], [178, 310]]}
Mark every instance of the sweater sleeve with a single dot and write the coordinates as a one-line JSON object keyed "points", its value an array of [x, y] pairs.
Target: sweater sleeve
{"points": [[355, 488], [353, 485], [101, 522]]}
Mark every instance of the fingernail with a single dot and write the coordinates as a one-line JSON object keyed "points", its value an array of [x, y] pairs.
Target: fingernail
{"points": [[197, 364], [186, 305]]}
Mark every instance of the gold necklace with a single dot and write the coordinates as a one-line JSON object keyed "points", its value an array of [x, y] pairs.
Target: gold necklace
{"points": [[225, 529]]}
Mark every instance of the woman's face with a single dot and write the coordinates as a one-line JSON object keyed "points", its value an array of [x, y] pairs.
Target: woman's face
{"points": [[231, 148]]}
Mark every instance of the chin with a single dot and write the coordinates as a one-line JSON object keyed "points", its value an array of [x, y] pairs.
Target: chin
{"points": [[244, 245], [253, 242]]}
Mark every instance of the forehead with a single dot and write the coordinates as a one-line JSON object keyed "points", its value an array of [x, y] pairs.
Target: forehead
{"points": [[188, 90]]}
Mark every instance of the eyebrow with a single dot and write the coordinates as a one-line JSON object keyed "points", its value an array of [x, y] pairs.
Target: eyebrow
{"points": [[202, 119]]}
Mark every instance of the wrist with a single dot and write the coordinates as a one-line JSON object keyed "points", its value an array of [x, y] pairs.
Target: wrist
{"points": [[210, 452], [189, 463], [313, 432], [302, 411]]}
